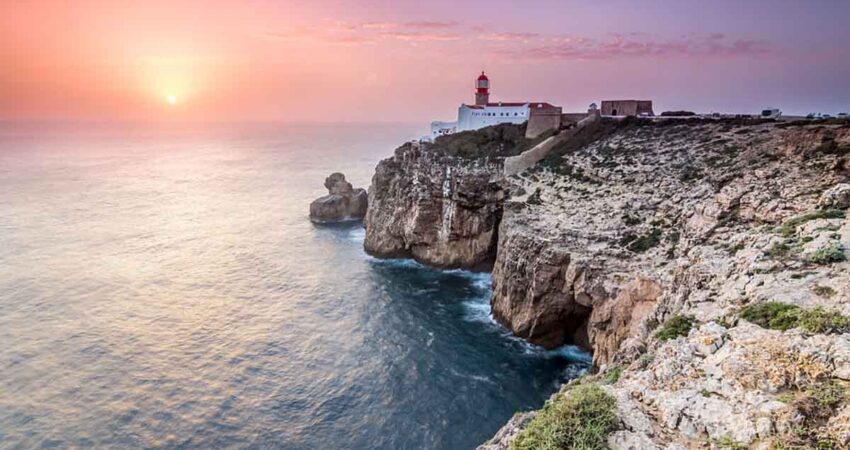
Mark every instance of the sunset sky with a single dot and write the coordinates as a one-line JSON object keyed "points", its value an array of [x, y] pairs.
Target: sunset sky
{"points": [[413, 60]]}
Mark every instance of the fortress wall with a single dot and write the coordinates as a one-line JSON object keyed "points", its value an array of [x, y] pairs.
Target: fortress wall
{"points": [[540, 121]]}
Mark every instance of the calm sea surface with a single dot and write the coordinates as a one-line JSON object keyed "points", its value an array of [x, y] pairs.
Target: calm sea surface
{"points": [[162, 287]]}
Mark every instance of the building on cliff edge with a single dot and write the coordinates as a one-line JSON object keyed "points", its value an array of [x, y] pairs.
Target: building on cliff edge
{"points": [[541, 116], [627, 108]]}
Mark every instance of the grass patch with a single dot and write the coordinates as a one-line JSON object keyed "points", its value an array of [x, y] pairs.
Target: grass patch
{"points": [[676, 326], [580, 418], [613, 375], [830, 254], [789, 228], [782, 316], [728, 443]]}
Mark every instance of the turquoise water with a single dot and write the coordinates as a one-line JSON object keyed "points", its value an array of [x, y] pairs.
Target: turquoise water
{"points": [[162, 287]]}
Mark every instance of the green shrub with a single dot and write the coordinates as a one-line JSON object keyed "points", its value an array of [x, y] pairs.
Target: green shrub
{"points": [[612, 375], [819, 320], [773, 315], [645, 360], [831, 253], [790, 227], [829, 395], [779, 250], [580, 418], [817, 404], [736, 248], [674, 327], [824, 291], [782, 316], [642, 243]]}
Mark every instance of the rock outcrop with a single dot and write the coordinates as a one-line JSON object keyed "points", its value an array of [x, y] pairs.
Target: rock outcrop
{"points": [[342, 203], [441, 210]]}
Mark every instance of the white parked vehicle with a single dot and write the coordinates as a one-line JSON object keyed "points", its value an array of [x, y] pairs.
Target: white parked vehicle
{"points": [[770, 113]]}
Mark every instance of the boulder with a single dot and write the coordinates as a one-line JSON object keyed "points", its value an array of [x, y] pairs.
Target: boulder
{"points": [[342, 203], [837, 197]]}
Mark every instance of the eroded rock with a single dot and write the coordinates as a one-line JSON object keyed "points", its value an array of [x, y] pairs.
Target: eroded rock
{"points": [[443, 211], [342, 203]]}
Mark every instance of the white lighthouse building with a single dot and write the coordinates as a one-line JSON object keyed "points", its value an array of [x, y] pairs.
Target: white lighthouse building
{"points": [[484, 113]]}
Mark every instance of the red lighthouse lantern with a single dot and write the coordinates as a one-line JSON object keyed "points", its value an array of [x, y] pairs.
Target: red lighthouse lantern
{"points": [[482, 91]]}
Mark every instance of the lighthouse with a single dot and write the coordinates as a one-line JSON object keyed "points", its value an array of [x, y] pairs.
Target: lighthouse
{"points": [[482, 91], [541, 116]]}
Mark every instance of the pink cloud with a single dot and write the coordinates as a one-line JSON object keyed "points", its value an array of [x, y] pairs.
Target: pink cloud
{"points": [[509, 36], [419, 25], [637, 45], [420, 37]]}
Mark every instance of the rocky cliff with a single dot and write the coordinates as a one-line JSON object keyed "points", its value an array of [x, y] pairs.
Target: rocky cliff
{"points": [[441, 203], [703, 262]]}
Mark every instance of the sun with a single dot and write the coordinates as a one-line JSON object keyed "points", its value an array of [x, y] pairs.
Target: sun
{"points": [[171, 99]]}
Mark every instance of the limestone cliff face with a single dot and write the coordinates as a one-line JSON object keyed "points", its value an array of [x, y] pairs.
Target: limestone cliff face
{"points": [[644, 222], [614, 236], [441, 210]]}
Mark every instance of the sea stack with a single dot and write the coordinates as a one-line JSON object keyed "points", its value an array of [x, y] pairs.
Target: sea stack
{"points": [[342, 203]]}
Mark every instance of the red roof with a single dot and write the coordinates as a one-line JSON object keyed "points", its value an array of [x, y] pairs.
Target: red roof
{"points": [[482, 77], [540, 105]]}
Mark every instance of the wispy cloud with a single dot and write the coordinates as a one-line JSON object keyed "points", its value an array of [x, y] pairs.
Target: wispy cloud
{"points": [[420, 37], [532, 45], [419, 25], [369, 32], [509, 36], [636, 45]]}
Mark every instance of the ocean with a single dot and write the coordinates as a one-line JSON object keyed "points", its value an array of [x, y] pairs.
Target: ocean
{"points": [[162, 287]]}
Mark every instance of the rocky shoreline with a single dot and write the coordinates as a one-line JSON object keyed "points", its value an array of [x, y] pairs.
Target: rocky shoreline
{"points": [[649, 243]]}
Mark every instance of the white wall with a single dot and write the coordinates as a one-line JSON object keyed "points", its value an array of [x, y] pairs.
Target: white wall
{"points": [[474, 118]]}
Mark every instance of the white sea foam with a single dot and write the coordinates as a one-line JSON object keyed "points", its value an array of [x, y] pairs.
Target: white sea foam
{"points": [[357, 235], [478, 310]]}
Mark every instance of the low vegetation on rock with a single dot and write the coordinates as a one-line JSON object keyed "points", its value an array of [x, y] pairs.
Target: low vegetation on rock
{"points": [[581, 417], [833, 252], [815, 406], [783, 316], [674, 327], [641, 243], [496, 141], [612, 375], [789, 228], [824, 291]]}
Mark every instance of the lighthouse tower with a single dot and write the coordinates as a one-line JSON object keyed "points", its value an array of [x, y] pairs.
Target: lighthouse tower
{"points": [[482, 91]]}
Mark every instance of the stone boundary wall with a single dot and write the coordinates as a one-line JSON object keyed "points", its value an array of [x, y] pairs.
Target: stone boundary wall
{"points": [[518, 164]]}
